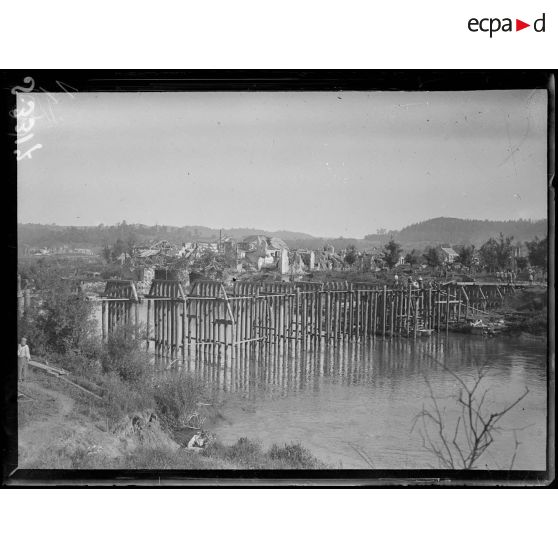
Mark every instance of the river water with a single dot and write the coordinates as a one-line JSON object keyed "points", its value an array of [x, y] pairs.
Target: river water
{"points": [[354, 405]]}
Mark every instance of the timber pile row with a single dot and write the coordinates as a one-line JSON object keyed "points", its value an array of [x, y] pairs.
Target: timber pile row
{"points": [[215, 320]]}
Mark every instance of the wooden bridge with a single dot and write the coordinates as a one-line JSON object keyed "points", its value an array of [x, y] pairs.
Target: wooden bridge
{"points": [[215, 320]]}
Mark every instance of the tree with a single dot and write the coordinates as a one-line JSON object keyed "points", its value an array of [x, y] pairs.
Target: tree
{"points": [[488, 254], [413, 258], [504, 251], [351, 255], [64, 319], [131, 241], [107, 253], [461, 445], [392, 251], [538, 251], [40, 274], [118, 248], [433, 257], [497, 254], [466, 255]]}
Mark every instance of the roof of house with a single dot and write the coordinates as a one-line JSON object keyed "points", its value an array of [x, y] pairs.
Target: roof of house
{"points": [[450, 252], [162, 244], [271, 243], [277, 243], [146, 253]]}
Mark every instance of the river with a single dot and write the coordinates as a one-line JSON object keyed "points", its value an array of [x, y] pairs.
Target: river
{"points": [[354, 405]]}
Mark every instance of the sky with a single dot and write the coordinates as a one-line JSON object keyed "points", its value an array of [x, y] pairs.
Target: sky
{"points": [[325, 163]]}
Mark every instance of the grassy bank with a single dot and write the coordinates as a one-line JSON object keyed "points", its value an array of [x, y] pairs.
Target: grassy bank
{"points": [[134, 426], [137, 413]]}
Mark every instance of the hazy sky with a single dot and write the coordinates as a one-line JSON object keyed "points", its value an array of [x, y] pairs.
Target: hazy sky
{"points": [[329, 164]]}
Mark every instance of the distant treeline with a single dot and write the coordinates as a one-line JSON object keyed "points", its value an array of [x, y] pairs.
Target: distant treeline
{"points": [[51, 236], [443, 230], [447, 230]]}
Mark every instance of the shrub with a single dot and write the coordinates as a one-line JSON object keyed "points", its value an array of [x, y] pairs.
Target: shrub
{"points": [[176, 398], [248, 454], [123, 354], [125, 398], [244, 452], [293, 456], [77, 362]]}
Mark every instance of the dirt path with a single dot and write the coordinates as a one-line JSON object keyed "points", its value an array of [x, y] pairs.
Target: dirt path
{"points": [[51, 434], [46, 420]]}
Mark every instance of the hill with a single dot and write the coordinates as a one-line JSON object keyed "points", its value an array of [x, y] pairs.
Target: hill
{"points": [[240, 233], [448, 230], [95, 237], [442, 230]]}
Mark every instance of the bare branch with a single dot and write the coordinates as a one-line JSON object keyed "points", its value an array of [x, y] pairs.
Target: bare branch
{"points": [[474, 425]]}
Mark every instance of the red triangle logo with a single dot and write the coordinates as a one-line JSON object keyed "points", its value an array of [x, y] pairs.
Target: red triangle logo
{"points": [[519, 25]]}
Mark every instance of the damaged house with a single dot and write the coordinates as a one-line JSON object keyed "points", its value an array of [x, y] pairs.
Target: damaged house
{"points": [[264, 252], [449, 255], [148, 262]]}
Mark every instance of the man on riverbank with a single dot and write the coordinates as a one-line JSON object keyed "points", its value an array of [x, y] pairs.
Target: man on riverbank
{"points": [[23, 358]]}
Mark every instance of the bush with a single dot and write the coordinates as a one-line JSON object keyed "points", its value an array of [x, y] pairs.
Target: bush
{"points": [[244, 452], [123, 398], [123, 354], [176, 398], [77, 362], [293, 456], [248, 454]]}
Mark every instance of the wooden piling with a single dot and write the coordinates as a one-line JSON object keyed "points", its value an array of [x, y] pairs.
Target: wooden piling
{"points": [[384, 301], [103, 318]]}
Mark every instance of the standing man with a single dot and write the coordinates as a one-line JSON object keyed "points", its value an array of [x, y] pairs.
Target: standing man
{"points": [[23, 358]]}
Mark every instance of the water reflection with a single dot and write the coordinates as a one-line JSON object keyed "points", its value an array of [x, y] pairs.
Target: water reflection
{"points": [[385, 362], [367, 395]]}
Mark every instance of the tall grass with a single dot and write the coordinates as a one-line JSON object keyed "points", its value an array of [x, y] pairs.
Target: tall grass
{"points": [[248, 454]]}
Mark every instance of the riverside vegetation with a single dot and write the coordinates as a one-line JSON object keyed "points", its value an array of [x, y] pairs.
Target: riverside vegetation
{"points": [[137, 416], [140, 416]]}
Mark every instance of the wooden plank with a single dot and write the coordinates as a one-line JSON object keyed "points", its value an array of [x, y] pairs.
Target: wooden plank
{"points": [[57, 373]]}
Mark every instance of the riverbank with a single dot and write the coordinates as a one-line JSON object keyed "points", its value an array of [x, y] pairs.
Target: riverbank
{"points": [[525, 312], [61, 427]]}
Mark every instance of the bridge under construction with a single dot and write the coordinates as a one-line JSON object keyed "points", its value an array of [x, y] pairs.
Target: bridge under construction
{"points": [[215, 320]]}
